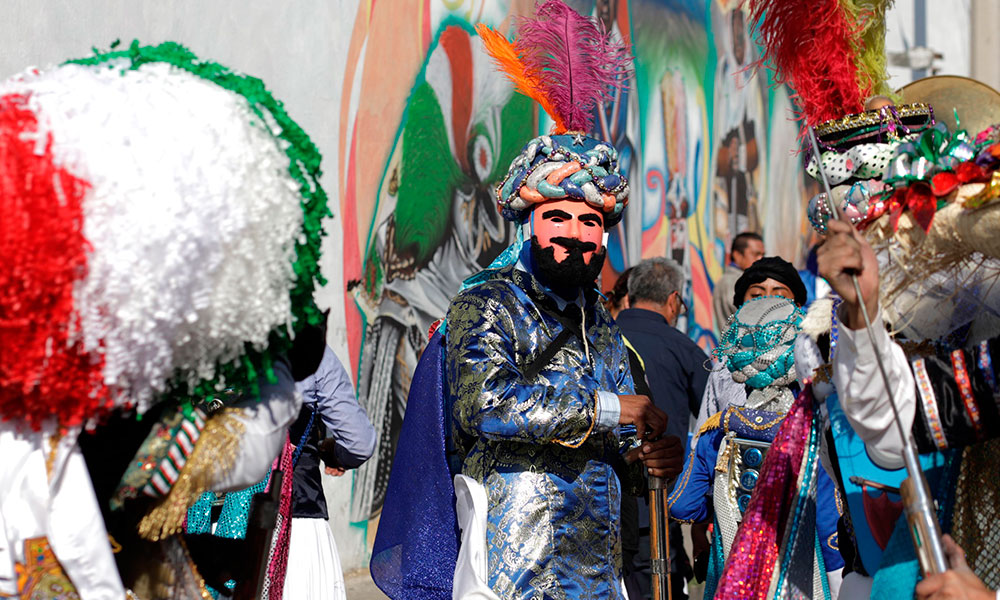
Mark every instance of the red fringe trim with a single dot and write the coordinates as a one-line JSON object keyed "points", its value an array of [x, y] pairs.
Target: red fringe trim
{"points": [[42, 374], [808, 46]]}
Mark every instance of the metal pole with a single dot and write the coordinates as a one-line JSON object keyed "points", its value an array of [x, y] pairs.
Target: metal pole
{"points": [[925, 531], [659, 538]]}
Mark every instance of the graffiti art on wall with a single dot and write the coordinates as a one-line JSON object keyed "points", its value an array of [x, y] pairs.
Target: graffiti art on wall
{"points": [[428, 127], [436, 224], [739, 130]]}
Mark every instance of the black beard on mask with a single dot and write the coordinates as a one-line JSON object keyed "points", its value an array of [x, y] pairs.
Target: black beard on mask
{"points": [[573, 272]]}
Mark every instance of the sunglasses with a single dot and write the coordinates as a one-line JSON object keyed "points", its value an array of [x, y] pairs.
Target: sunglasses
{"points": [[684, 307]]}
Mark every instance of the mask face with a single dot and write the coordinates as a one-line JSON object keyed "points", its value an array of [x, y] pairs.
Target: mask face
{"points": [[568, 226]]}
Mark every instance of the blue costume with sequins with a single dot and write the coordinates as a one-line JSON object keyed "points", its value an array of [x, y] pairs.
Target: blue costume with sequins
{"points": [[727, 455], [539, 446], [690, 500]]}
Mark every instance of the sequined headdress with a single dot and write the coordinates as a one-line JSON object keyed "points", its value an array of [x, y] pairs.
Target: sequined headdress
{"points": [[831, 53], [758, 349], [568, 64], [926, 196]]}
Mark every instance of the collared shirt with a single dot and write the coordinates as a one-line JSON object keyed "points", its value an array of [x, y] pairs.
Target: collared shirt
{"points": [[327, 392], [676, 368]]}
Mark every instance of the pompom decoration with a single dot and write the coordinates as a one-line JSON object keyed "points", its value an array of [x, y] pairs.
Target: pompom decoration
{"points": [[44, 253], [564, 61], [163, 215]]}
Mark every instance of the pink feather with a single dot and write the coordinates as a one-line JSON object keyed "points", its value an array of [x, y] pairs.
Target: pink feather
{"points": [[576, 61]]}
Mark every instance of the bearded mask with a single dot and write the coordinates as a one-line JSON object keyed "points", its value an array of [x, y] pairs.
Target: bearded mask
{"points": [[567, 243]]}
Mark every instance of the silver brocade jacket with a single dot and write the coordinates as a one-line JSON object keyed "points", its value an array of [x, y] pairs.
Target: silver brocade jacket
{"points": [[553, 525]]}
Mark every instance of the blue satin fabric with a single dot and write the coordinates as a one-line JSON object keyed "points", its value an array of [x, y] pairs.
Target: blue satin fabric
{"points": [[553, 524], [693, 492]]}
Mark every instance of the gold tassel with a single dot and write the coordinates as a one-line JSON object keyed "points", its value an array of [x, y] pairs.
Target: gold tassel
{"points": [[214, 452]]}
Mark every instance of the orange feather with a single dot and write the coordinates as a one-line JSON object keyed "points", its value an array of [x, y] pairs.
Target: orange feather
{"points": [[507, 59]]}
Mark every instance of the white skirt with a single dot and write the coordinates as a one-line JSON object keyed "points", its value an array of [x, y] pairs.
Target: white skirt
{"points": [[313, 564]]}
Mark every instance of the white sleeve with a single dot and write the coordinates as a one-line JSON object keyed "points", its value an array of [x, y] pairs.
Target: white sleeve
{"points": [[64, 510], [77, 535], [265, 425], [862, 391], [721, 392]]}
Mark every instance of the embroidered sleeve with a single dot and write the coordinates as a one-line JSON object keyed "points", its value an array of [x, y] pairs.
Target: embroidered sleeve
{"points": [[689, 501]]}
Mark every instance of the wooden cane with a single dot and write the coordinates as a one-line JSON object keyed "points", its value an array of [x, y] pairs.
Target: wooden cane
{"points": [[659, 539]]}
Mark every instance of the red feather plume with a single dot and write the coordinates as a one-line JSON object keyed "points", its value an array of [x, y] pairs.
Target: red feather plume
{"points": [[811, 46]]}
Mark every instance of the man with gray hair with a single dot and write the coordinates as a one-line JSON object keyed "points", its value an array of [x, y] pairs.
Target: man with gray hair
{"points": [[675, 368], [675, 365]]}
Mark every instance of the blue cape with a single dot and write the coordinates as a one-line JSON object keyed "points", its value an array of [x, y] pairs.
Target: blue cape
{"points": [[416, 546]]}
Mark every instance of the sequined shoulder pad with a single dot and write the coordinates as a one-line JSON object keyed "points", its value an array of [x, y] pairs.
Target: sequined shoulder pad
{"points": [[761, 425]]}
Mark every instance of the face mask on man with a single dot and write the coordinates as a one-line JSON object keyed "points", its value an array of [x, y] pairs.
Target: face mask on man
{"points": [[567, 243]]}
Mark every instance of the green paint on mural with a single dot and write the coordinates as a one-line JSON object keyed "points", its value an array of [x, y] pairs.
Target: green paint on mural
{"points": [[516, 128], [428, 174]]}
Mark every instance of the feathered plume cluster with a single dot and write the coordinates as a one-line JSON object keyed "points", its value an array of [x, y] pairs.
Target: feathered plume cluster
{"points": [[564, 61], [830, 52]]}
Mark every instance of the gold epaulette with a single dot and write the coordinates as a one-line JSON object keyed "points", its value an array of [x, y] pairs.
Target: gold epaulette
{"points": [[713, 422]]}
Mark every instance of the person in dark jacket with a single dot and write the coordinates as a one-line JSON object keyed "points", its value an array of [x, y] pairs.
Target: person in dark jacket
{"points": [[676, 370]]}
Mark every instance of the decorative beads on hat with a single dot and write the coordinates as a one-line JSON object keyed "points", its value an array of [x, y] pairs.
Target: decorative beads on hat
{"points": [[856, 201], [572, 166], [886, 123], [867, 161]]}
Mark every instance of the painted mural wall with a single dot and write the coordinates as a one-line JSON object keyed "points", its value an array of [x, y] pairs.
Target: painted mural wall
{"points": [[427, 128], [415, 127]]}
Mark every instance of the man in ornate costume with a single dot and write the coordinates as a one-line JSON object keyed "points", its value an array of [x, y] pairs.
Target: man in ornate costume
{"points": [[767, 276], [540, 382], [926, 398], [533, 372]]}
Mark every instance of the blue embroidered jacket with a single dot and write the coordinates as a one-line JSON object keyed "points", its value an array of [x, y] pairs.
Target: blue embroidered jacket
{"points": [[691, 497], [539, 446]]}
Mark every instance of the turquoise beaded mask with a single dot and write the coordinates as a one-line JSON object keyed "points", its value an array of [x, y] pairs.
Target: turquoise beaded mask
{"points": [[758, 345]]}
